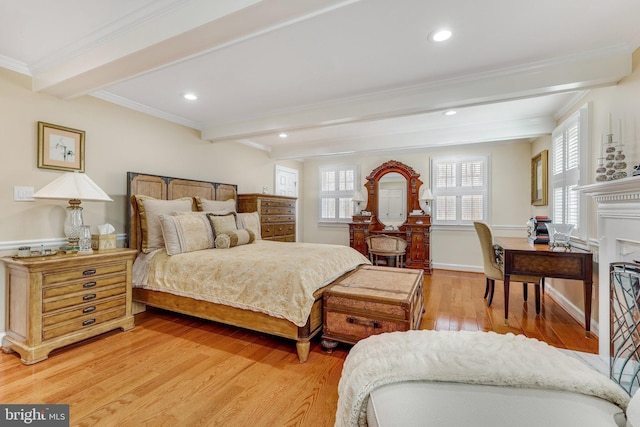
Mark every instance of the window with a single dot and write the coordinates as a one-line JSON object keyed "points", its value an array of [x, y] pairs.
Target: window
{"points": [[567, 154], [460, 189], [337, 188]]}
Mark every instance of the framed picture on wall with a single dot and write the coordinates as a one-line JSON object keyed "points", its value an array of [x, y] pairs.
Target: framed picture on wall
{"points": [[60, 148], [539, 171]]}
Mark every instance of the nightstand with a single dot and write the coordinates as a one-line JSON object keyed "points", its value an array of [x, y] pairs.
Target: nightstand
{"points": [[58, 300]]}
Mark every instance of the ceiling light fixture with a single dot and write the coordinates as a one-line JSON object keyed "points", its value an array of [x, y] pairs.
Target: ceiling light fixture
{"points": [[282, 135], [450, 113], [190, 96], [440, 35]]}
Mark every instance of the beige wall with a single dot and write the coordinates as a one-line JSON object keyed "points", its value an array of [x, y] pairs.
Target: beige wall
{"points": [[117, 140]]}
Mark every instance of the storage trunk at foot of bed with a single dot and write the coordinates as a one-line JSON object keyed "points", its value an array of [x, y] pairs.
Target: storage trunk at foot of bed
{"points": [[370, 301]]}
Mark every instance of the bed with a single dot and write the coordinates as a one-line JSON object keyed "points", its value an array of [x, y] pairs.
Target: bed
{"points": [[266, 286], [456, 378]]}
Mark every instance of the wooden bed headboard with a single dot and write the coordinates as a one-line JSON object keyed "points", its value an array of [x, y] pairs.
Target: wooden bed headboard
{"points": [[168, 188]]}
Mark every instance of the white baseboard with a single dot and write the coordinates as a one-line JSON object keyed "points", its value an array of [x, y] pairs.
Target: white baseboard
{"points": [[571, 308]]}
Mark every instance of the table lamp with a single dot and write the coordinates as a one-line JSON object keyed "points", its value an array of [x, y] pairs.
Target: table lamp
{"points": [[74, 186], [426, 196], [358, 198]]}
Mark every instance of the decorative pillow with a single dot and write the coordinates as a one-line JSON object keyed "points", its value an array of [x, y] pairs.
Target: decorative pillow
{"points": [[222, 224], [149, 209], [234, 238], [206, 205], [251, 221], [186, 232]]}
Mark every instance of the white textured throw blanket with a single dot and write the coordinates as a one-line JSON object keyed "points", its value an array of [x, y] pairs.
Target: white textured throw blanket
{"points": [[463, 357]]}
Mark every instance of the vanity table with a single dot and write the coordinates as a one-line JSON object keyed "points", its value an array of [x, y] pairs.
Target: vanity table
{"points": [[392, 190]]}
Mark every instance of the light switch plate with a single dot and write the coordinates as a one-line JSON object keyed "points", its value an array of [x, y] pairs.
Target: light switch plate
{"points": [[23, 194]]}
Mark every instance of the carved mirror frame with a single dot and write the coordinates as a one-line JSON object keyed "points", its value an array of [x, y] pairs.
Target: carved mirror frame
{"points": [[413, 187]]}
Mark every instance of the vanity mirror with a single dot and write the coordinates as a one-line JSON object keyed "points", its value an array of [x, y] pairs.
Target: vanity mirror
{"points": [[393, 190]]}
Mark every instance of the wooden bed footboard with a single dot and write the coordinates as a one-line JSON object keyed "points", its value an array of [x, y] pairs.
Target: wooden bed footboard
{"points": [[242, 318]]}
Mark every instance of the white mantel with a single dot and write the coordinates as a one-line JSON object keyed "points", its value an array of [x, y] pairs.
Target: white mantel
{"points": [[618, 235]]}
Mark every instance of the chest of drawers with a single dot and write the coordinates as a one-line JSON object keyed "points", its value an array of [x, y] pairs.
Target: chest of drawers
{"points": [[59, 300], [277, 215]]}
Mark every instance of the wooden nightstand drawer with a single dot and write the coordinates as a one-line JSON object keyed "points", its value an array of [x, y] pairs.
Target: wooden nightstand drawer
{"points": [[83, 297], [83, 285], [82, 323], [86, 271], [86, 310]]}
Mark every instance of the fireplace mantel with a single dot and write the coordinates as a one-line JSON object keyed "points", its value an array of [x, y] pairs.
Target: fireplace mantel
{"points": [[616, 191]]}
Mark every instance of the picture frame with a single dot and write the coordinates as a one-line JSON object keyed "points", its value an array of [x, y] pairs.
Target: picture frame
{"points": [[60, 148], [539, 173]]}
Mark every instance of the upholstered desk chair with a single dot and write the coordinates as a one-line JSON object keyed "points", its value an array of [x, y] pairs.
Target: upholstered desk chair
{"points": [[389, 247], [492, 270]]}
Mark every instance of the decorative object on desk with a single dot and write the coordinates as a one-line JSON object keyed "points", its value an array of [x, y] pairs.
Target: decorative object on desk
{"points": [[426, 196], [537, 232], [60, 148], [76, 187], [539, 171], [358, 198], [560, 235]]}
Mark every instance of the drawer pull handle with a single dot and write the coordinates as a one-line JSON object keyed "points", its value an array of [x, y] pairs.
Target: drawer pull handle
{"points": [[89, 272], [89, 309], [89, 285], [88, 297], [88, 322], [363, 322]]}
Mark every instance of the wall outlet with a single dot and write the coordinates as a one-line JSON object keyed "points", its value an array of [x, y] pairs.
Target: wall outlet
{"points": [[23, 194]]}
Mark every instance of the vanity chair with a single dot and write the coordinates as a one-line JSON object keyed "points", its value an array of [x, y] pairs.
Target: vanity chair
{"points": [[393, 209], [391, 249]]}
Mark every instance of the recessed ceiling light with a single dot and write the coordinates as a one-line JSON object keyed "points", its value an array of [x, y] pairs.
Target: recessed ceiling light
{"points": [[441, 35], [282, 135], [190, 96], [450, 113]]}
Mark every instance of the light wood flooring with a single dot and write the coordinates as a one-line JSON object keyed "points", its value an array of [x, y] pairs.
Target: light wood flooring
{"points": [[173, 370]]}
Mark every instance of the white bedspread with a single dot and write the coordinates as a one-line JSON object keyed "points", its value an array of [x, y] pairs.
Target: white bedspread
{"points": [[274, 278], [463, 357]]}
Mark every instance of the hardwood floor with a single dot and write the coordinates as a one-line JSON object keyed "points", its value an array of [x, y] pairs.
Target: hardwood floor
{"points": [[179, 371]]}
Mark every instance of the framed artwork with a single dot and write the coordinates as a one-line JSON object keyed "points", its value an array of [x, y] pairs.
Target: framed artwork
{"points": [[60, 148], [539, 171]]}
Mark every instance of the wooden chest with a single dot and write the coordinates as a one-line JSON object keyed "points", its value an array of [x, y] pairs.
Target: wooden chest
{"points": [[372, 300]]}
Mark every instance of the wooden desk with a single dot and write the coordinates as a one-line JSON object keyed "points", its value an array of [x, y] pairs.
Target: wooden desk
{"points": [[523, 258]]}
